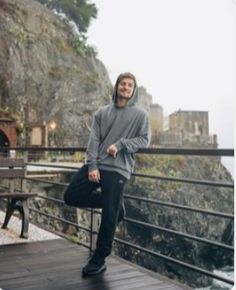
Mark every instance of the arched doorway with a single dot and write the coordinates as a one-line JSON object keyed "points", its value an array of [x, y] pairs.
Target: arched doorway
{"points": [[4, 142]]}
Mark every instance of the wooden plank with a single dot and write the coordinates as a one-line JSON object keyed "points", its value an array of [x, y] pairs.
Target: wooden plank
{"points": [[11, 162], [57, 265], [36, 247], [17, 194], [22, 249], [12, 173]]}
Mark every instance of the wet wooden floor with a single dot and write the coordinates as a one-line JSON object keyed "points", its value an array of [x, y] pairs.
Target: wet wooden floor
{"points": [[56, 265]]}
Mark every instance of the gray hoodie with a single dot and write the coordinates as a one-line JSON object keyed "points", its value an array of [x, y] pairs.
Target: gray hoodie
{"points": [[128, 128]]}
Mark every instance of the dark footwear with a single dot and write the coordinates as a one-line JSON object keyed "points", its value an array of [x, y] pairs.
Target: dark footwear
{"points": [[122, 213], [96, 265]]}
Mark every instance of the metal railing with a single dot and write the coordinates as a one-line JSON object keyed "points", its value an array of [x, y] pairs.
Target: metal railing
{"points": [[153, 151]]}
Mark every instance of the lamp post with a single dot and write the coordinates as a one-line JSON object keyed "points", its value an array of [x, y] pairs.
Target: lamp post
{"points": [[45, 139], [52, 127], [49, 128]]}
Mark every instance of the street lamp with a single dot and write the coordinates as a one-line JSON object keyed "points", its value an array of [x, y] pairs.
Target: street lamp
{"points": [[52, 127]]}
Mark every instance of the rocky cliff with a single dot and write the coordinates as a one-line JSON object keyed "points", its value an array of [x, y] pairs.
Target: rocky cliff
{"points": [[210, 198], [43, 73]]}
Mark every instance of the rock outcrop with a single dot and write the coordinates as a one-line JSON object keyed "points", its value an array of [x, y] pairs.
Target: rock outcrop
{"points": [[42, 74]]}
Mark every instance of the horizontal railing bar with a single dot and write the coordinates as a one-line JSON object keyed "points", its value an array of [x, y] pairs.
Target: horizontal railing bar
{"points": [[51, 165], [60, 234], [184, 207], [193, 181], [45, 181], [60, 219], [187, 236], [166, 151], [189, 151], [148, 200], [170, 259], [185, 180], [43, 149], [58, 200], [41, 196], [51, 199], [198, 239]]}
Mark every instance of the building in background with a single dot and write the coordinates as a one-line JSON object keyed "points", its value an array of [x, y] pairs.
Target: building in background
{"points": [[156, 121], [155, 112], [145, 99], [188, 128], [185, 128], [8, 131]]}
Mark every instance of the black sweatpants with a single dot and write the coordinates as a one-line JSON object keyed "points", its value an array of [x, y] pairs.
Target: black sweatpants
{"points": [[82, 193]]}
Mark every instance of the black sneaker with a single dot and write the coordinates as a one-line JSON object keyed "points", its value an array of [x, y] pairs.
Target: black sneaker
{"points": [[96, 265]]}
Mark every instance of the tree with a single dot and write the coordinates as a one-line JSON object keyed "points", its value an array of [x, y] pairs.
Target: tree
{"points": [[80, 11]]}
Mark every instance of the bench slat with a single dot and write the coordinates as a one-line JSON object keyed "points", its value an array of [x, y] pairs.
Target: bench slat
{"points": [[12, 173], [11, 162], [18, 194]]}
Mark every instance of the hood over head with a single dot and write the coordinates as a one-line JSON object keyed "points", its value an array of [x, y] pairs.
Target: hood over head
{"points": [[134, 99]]}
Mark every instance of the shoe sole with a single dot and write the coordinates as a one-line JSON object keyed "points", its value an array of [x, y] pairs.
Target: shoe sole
{"points": [[102, 269]]}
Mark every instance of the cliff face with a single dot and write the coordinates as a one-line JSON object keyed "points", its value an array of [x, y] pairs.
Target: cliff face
{"points": [[206, 226], [42, 76]]}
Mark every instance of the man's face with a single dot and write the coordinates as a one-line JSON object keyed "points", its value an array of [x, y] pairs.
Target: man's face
{"points": [[125, 88]]}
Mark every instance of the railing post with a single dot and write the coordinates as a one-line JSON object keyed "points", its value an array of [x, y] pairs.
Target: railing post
{"points": [[26, 158], [94, 223], [45, 140]]}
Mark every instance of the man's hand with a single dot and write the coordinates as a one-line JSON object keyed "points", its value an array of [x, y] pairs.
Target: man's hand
{"points": [[94, 176], [112, 150]]}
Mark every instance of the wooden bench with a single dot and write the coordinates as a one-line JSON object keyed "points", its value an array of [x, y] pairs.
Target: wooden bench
{"points": [[14, 170]]}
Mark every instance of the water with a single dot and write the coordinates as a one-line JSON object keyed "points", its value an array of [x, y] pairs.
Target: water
{"points": [[227, 272]]}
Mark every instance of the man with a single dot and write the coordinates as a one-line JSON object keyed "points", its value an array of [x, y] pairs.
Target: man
{"points": [[118, 130]]}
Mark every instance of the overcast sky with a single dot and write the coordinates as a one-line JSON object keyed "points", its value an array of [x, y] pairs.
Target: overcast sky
{"points": [[181, 51]]}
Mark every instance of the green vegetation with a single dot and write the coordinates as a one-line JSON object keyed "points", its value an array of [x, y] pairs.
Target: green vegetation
{"points": [[162, 165], [80, 11], [21, 35], [79, 44]]}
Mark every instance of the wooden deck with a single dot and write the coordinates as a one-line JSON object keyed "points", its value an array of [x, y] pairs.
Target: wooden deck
{"points": [[56, 264]]}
